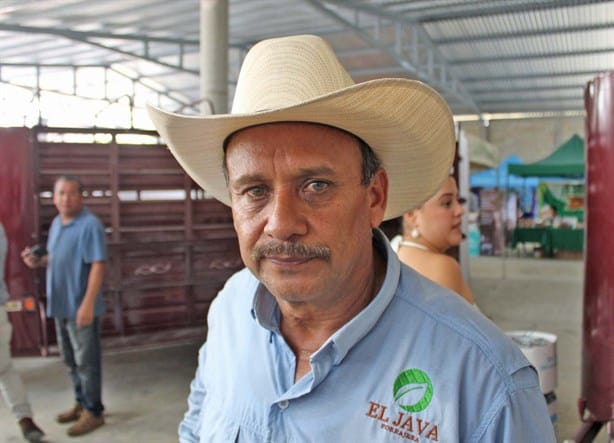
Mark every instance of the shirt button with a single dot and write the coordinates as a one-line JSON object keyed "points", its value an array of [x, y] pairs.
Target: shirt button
{"points": [[283, 404]]}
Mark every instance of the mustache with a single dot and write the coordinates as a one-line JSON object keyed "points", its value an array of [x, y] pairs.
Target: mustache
{"points": [[290, 249]]}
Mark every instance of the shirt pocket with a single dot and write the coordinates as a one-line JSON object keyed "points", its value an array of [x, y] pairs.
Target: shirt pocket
{"points": [[220, 432], [217, 425]]}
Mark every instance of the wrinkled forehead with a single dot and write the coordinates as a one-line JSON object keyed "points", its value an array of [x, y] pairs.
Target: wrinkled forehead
{"points": [[314, 128], [293, 140]]}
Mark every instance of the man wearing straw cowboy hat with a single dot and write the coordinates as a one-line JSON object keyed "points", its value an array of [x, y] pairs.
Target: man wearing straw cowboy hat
{"points": [[326, 336]]}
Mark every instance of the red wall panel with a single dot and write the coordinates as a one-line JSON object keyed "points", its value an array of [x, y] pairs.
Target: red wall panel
{"points": [[18, 217], [168, 256]]}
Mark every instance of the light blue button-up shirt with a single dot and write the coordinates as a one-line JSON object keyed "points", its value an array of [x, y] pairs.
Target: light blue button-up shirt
{"points": [[418, 364], [72, 248]]}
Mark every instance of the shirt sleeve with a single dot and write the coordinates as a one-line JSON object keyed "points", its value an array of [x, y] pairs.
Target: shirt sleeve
{"points": [[189, 428], [521, 416], [95, 243]]}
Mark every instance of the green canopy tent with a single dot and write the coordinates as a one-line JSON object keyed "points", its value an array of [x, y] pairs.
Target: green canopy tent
{"points": [[566, 161]]}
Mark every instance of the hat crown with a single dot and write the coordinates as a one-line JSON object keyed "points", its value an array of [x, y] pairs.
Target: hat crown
{"points": [[282, 72], [299, 79]]}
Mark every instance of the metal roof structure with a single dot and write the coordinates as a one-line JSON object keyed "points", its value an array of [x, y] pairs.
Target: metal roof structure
{"points": [[483, 56]]}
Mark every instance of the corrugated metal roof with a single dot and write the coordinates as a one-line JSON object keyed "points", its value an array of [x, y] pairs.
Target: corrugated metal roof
{"points": [[484, 56]]}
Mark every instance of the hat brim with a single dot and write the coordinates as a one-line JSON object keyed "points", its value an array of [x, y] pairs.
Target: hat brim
{"points": [[407, 124]]}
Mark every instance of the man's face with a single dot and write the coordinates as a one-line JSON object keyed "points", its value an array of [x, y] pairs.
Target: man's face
{"points": [[302, 216], [67, 198]]}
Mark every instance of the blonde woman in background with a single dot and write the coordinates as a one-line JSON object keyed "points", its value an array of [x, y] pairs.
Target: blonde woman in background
{"points": [[428, 232]]}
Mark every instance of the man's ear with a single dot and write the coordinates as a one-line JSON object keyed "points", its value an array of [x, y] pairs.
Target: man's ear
{"points": [[378, 194]]}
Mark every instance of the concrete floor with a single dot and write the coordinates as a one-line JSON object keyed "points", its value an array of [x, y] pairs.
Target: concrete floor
{"points": [[540, 295], [145, 390]]}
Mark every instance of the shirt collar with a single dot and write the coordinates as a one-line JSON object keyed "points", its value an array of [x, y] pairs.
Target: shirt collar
{"points": [[266, 310]]}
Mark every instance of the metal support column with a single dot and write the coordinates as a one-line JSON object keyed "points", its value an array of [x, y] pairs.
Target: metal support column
{"points": [[214, 56]]}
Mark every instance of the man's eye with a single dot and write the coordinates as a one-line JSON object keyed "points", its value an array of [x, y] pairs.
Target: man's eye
{"points": [[317, 186], [256, 192]]}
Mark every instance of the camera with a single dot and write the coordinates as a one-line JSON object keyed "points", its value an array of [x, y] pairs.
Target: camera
{"points": [[38, 250]]}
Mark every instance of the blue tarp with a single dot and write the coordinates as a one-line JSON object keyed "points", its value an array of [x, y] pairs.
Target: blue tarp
{"points": [[498, 177]]}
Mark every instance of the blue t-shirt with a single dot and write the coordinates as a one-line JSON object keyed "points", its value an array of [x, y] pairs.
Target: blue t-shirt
{"points": [[72, 249], [418, 364]]}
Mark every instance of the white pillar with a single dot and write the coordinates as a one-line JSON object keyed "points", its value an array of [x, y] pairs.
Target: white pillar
{"points": [[464, 191], [214, 56]]}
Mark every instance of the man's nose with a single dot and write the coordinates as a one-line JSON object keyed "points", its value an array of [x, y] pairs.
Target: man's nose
{"points": [[286, 217]]}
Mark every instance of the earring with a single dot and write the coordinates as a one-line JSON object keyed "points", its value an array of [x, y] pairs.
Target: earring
{"points": [[414, 233]]}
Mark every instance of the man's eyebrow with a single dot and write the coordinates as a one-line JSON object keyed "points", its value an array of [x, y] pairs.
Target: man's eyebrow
{"points": [[244, 179], [318, 171]]}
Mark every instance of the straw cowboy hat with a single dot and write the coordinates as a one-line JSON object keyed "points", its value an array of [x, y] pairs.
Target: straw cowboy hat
{"points": [[299, 79]]}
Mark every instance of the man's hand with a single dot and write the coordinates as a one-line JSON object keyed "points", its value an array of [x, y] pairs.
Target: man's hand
{"points": [[85, 314], [32, 261]]}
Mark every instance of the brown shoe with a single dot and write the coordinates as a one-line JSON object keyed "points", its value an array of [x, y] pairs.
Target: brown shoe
{"points": [[87, 423], [30, 431], [71, 415]]}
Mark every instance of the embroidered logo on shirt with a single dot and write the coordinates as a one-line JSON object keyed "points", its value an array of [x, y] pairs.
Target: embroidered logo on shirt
{"points": [[412, 392]]}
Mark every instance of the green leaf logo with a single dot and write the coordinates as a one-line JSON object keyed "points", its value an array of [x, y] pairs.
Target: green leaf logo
{"points": [[413, 390]]}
